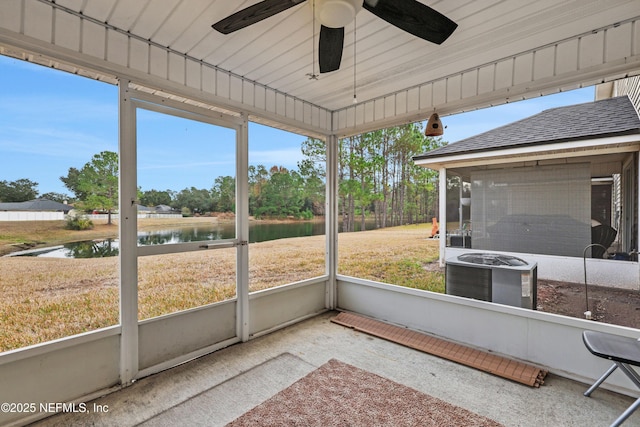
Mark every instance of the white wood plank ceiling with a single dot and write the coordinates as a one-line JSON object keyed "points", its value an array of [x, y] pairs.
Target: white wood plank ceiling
{"points": [[502, 50]]}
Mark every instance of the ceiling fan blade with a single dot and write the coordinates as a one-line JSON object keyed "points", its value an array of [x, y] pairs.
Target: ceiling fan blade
{"points": [[414, 18], [330, 48], [253, 14]]}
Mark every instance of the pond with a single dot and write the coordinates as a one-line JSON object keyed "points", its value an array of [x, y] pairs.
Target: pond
{"points": [[258, 232]]}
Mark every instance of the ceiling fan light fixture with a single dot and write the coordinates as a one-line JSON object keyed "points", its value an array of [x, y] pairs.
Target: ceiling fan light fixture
{"points": [[337, 13]]}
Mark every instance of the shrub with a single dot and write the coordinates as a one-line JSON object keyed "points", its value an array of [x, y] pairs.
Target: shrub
{"points": [[79, 222], [306, 214]]}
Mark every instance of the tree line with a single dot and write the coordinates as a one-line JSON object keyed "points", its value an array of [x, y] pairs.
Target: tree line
{"points": [[377, 181]]}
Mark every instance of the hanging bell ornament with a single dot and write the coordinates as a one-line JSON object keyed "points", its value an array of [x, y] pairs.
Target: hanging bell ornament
{"points": [[434, 126]]}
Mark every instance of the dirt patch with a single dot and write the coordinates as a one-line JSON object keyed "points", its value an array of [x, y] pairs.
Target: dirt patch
{"points": [[607, 305]]}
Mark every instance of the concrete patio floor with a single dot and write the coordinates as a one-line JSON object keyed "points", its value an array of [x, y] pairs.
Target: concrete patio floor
{"points": [[215, 389]]}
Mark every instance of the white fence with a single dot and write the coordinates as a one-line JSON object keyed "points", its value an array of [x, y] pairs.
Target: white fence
{"points": [[31, 216], [140, 215], [58, 216]]}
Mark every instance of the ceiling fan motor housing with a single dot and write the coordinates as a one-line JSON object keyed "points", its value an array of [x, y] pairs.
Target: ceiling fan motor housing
{"points": [[337, 13]]}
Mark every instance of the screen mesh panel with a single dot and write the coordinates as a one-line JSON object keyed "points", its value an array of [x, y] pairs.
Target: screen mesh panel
{"points": [[539, 209]]}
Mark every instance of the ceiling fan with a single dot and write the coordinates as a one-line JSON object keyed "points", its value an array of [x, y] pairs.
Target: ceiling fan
{"points": [[408, 15]]}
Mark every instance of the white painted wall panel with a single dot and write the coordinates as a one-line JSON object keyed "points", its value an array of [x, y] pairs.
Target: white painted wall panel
{"points": [[298, 106], [193, 77], [504, 74], [426, 96], [341, 118], [11, 15], [209, 80], [61, 374], [413, 99], [158, 62], [38, 21], [94, 39], [591, 51], [567, 57], [469, 86], [168, 337], [248, 90], [138, 55], [223, 85], [523, 69], [117, 48], [235, 88], [454, 88], [307, 113], [635, 42], [290, 106], [260, 98], [350, 117], [369, 111], [378, 109], [325, 119], [390, 106], [270, 101], [439, 92], [401, 103], [276, 307], [67, 30], [486, 78], [281, 105], [177, 68], [544, 63], [618, 42]]}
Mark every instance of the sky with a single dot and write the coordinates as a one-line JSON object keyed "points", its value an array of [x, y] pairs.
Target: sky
{"points": [[51, 121]]}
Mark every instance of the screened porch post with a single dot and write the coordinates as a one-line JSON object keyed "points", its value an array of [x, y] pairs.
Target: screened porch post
{"points": [[442, 220], [331, 219], [242, 230], [128, 224]]}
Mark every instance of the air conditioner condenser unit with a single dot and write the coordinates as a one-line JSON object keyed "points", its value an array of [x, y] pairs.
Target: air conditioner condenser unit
{"points": [[499, 278]]}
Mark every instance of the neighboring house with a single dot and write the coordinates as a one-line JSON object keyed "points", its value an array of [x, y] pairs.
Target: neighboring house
{"points": [[37, 209], [548, 187], [158, 211]]}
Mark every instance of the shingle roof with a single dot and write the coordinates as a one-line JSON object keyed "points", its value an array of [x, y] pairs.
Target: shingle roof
{"points": [[599, 119], [35, 205]]}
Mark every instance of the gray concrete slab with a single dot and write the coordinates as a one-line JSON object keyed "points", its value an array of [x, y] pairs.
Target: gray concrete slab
{"points": [[217, 388], [220, 404]]}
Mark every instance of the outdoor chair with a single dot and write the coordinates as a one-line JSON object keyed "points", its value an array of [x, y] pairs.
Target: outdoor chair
{"points": [[624, 352], [603, 235]]}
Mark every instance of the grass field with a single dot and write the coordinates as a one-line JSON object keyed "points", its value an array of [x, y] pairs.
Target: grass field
{"points": [[46, 298]]}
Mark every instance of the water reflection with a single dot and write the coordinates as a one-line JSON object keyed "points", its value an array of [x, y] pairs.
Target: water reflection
{"points": [[258, 232], [84, 249], [185, 234]]}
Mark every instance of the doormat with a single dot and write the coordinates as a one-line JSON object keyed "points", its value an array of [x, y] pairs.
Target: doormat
{"points": [[482, 360], [338, 394]]}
